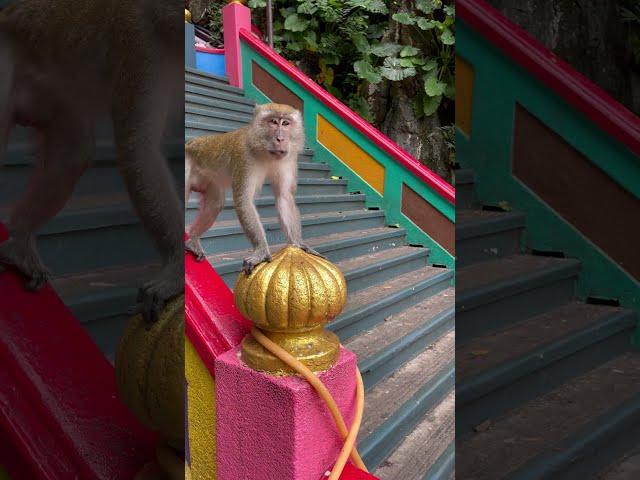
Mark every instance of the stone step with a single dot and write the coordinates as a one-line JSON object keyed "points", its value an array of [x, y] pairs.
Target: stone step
{"points": [[545, 436], [370, 306], [93, 232], [194, 76], [229, 234], [307, 204], [394, 406], [102, 300], [484, 235], [102, 177], [402, 336], [201, 114], [428, 451], [219, 103], [204, 92], [501, 369], [336, 246], [361, 271], [494, 293]]}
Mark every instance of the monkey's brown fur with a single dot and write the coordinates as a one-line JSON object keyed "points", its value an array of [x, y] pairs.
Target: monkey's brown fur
{"points": [[66, 63], [267, 148]]}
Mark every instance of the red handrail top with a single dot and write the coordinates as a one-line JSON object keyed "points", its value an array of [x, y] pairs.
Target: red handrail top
{"points": [[444, 189], [68, 421], [573, 87]]}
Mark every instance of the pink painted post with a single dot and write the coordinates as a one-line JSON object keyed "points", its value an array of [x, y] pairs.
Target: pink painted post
{"points": [[235, 17], [278, 427]]}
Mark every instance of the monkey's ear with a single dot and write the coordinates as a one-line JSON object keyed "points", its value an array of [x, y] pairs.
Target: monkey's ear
{"points": [[297, 115]]}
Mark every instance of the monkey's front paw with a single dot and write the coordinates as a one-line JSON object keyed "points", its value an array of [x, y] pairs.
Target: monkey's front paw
{"points": [[310, 250], [23, 256], [194, 246], [254, 260], [153, 295]]}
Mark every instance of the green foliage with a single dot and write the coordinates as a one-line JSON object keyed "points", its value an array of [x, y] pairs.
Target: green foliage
{"points": [[341, 44]]}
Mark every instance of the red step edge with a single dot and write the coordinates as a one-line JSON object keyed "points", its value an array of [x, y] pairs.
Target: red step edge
{"points": [[60, 416], [577, 90], [440, 186]]}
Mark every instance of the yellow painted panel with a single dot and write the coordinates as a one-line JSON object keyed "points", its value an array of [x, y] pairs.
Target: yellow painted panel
{"points": [[464, 94], [351, 154], [201, 411]]}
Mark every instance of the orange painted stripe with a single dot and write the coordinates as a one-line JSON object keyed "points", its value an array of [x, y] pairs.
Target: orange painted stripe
{"points": [[464, 94], [351, 154]]}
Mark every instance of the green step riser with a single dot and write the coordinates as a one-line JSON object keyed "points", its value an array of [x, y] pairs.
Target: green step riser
{"points": [[237, 241], [350, 324], [501, 312]]}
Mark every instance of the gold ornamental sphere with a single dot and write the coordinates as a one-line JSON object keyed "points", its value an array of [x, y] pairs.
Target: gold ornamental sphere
{"points": [[187, 16], [290, 299], [149, 371]]}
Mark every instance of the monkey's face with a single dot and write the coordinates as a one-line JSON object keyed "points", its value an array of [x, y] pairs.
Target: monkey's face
{"points": [[281, 129]]}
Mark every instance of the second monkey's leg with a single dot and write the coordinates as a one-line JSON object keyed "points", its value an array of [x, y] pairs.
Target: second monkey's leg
{"points": [[65, 150], [211, 203]]}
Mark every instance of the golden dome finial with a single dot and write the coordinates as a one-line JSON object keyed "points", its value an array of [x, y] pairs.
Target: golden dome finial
{"points": [[291, 299]]}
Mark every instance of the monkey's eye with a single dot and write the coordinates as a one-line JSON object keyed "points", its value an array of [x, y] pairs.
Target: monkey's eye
{"points": [[274, 121], [285, 123]]}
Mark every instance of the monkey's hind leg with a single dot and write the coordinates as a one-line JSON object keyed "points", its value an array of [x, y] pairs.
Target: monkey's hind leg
{"points": [[211, 203], [66, 149]]}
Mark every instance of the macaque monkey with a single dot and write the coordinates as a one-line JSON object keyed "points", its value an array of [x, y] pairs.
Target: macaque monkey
{"points": [[267, 148], [64, 64]]}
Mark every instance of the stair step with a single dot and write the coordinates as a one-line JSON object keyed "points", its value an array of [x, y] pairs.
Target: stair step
{"points": [[370, 306], [394, 406], [494, 293], [483, 235], [230, 234], [546, 434], [359, 272], [102, 299], [103, 224], [400, 337], [205, 115], [502, 369], [217, 94], [337, 246], [626, 468], [197, 77], [307, 204], [218, 103], [428, 451], [101, 178]]}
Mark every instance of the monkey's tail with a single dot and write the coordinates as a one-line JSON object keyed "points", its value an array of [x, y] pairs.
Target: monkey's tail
{"points": [[6, 83]]}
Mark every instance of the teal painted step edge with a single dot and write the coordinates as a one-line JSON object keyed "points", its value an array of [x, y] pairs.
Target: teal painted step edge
{"points": [[500, 84], [395, 175]]}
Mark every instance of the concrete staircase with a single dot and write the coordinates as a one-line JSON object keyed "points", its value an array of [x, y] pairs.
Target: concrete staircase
{"points": [[95, 247], [399, 317], [547, 385]]}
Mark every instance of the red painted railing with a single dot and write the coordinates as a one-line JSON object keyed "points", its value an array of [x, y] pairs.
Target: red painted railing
{"points": [[60, 416], [574, 88], [402, 157], [213, 324]]}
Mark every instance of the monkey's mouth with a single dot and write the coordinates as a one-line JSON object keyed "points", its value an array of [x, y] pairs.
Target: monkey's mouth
{"points": [[278, 153]]}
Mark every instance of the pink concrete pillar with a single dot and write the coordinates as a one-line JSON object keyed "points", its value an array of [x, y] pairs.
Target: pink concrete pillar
{"points": [[278, 428], [234, 18]]}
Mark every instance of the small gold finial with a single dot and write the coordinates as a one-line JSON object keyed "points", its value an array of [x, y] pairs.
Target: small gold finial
{"points": [[187, 16], [290, 299], [241, 2]]}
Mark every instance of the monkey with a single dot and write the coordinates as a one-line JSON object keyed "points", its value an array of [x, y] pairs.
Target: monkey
{"points": [[64, 65], [267, 148]]}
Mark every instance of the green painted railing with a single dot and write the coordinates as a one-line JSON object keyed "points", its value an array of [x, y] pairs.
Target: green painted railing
{"points": [[505, 69], [433, 191]]}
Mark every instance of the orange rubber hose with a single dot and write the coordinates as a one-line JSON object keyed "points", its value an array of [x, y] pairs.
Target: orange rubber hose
{"points": [[348, 436]]}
